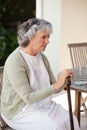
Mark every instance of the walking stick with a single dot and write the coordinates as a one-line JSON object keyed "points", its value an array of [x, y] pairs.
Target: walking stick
{"points": [[68, 83]]}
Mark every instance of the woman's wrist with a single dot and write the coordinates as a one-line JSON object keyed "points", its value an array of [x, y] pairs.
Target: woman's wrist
{"points": [[56, 87]]}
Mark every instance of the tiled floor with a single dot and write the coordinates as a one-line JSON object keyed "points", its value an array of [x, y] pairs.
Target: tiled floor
{"points": [[62, 99]]}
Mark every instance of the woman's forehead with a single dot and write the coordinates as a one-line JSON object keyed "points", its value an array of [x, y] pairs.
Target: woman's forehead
{"points": [[43, 32]]}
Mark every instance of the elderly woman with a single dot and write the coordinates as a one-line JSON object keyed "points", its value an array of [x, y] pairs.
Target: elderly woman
{"points": [[28, 83]]}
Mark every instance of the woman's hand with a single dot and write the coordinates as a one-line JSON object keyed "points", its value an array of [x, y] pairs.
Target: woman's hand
{"points": [[62, 78]]}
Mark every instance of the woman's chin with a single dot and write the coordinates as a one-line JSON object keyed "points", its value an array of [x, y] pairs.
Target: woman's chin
{"points": [[43, 49]]}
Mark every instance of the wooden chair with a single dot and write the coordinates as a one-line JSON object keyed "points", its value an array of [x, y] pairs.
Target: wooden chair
{"points": [[78, 54], [3, 125]]}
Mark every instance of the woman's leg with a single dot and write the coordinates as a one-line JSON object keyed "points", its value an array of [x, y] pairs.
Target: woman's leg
{"points": [[61, 117], [34, 120]]}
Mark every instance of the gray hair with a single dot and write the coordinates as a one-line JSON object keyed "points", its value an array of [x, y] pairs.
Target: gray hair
{"points": [[28, 29]]}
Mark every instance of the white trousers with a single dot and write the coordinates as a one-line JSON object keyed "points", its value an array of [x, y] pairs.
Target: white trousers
{"points": [[36, 119]]}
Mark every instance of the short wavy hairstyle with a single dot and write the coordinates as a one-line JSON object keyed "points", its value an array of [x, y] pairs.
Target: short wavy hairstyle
{"points": [[28, 29]]}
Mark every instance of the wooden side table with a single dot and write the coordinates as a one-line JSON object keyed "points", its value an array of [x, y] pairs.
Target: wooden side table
{"points": [[78, 90]]}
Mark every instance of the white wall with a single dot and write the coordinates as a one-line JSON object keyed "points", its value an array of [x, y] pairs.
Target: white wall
{"points": [[73, 27], [51, 11]]}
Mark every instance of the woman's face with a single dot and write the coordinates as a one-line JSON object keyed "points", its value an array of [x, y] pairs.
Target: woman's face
{"points": [[39, 42]]}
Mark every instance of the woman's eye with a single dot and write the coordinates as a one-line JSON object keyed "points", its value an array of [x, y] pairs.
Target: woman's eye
{"points": [[44, 37]]}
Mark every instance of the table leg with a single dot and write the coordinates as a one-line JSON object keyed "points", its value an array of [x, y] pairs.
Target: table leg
{"points": [[77, 105]]}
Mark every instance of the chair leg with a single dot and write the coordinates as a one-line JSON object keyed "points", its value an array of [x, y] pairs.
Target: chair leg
{"points": [[83, 100], [85, 109], [1, 128]]}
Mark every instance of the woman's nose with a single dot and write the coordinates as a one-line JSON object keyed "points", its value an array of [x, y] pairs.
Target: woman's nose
{"points": [[47, 40]]}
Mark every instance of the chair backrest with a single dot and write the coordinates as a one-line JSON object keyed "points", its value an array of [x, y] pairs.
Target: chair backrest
{"points": [[2, 123], [78, 53], [1, 77], [1, 81]]}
